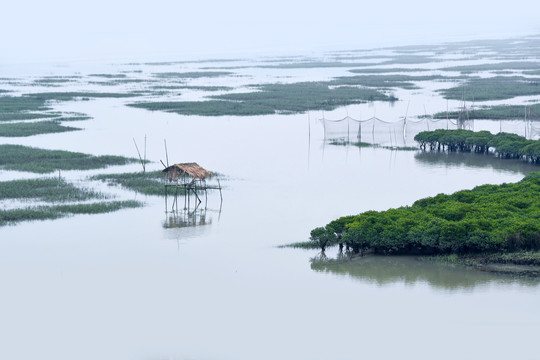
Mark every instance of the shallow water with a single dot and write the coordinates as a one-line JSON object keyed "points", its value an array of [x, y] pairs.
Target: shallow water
{"points": [[145, 284]]}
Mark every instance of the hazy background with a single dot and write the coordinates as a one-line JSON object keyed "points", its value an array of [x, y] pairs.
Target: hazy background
{"points": [[61, 30]]}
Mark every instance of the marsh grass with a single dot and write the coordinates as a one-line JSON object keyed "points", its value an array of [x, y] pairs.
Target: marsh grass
{"points": [[149, 183], [315, 64], [23, 158], [192, 75], [47, 189], [8, 217], [340, 142], [302, 245], [494, 88], [69, 96], [16, 104], [33, 128], [500, 112], [34, 106], [109, 76], [511, 65], [385, 81], [96, 208], [410, 59], [119, 81], [13, 108], [384, 70], [80, 117], [52, 81], [273, 98], [6, 117], [188, 87]]}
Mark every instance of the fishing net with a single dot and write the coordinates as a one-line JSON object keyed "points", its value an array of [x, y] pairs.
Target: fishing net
{"points": [[385, 133], [402, 132]]}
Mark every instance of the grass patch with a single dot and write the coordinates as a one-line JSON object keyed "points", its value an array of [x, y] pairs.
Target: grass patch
{"points": [[80, 117], [34, 106], [69, 96], [96, 208], [13, 108], [109, 76], [5, 117], [384, 70], [271, 99], [410, 59], [302, 245], [52, 81], [500, 112], [315, 64], [8, 217], [23, 158], [48, 190], [33, 128], [149, 183], [495, 88], [511, 65], [384, 81], [339, 142], [17, 104], [192, 74]]}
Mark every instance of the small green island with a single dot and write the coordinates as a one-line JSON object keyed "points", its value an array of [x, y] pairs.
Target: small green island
{"points": [[491, 227]]}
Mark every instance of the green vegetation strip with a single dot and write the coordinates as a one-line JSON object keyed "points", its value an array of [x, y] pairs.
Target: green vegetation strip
{"points": [[494, 88], [23, 158], [385, 70], [110, 76], [8, 217], [192, 75], [33, 128], [149, 183], [489, 218], [21, 108], [48, 189], [315, 64], [273, 98], [340, 142], [500, 112], [505, 145], [34, 106], [384, 81], [68, 96], [509, 65]]}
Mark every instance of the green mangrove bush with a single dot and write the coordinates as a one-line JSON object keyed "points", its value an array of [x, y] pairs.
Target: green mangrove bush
{"points": [[487, 218], [504, 145]]}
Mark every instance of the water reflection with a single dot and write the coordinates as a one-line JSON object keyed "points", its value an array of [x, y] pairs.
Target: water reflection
{"points": [[445, 159], [187, 218], [387, 270]]}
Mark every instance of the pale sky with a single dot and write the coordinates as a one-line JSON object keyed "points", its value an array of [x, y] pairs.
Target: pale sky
{"points": [[33, 30]]}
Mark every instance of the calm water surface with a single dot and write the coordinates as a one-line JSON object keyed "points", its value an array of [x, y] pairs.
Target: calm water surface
{"points": [[143, 284]]}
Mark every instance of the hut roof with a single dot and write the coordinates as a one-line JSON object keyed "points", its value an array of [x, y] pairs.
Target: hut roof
{"points": [[192, 169]]}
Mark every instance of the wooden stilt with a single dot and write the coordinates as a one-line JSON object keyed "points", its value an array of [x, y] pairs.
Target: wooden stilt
{"points": [[165, 198]]}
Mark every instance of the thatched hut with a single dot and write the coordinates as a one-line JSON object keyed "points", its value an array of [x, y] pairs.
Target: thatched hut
{"points": [[186, 172]]}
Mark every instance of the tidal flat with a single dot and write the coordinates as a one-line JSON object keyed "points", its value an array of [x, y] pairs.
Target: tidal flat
{"points": [[142, 282]]}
